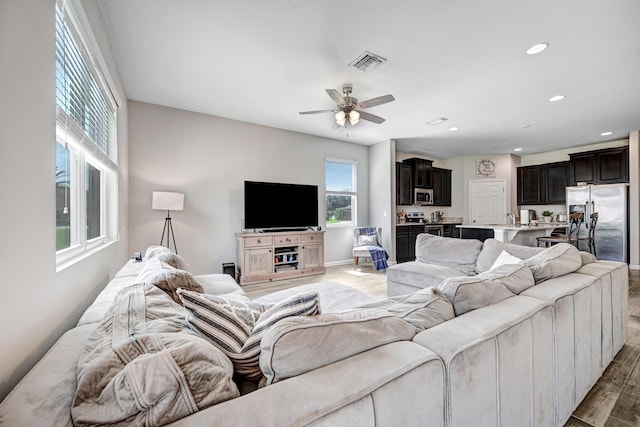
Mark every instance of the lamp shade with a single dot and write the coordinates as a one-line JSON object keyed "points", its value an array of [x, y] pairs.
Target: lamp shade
{"points": [[167, 201]]}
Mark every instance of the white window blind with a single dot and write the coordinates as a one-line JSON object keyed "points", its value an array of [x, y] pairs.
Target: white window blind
{"points": [[85, 110], [340, 176]]}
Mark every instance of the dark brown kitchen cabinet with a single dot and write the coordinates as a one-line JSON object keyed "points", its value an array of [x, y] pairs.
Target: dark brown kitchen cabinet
{"points": [[530, 185], [406, 236], [542, 184], [422, 170], [404, 187], [556, 179], [441, 179], [607, 166]]}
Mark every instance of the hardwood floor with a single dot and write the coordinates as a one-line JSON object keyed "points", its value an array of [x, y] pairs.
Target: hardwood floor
{"points": [[614, 401]]}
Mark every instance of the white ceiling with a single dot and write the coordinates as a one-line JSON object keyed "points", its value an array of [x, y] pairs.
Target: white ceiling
{"points": [[264, 61]]}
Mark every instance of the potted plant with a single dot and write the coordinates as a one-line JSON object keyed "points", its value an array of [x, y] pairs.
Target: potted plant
{"points": [[546, 216]]}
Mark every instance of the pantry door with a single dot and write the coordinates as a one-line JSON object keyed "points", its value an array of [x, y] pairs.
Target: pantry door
{"points": [[487, 201]]}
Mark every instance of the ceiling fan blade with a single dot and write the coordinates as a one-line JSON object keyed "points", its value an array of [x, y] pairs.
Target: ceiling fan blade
{"points": [[335, 95], [317, 112], [371, 117], [376, 101]]}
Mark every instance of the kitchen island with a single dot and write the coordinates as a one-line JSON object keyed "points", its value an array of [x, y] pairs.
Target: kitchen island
{"points": [[518, 234]]}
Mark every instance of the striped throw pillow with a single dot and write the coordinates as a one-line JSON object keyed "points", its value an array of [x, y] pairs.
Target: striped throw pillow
{"points": [[236, 327]]}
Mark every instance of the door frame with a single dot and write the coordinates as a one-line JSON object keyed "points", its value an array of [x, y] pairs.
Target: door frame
{"points": [[486, 180]]}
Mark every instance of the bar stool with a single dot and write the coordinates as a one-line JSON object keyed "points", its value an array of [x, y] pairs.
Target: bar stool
{"points": [[575, 221], [590, 238]]}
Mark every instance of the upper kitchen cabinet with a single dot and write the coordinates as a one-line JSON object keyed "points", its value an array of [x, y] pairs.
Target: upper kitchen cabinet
{"points": [[422, 171], [607, 166], [556, 180], [543, 184], [530, 185], [441, 180], [404, 187]]}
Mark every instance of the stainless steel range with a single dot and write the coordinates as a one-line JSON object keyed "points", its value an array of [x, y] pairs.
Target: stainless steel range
{"points": [[415, 216]]}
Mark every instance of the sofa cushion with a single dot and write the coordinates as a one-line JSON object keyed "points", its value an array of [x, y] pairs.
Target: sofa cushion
{"points": [[468, 293], [492, 248], [220, 284], [237, 327], [167, 278], [143, 365], [302, 343], [505, 258], [154, 250], [420, 275], [459, 254], [423, 309], [554, 261]]}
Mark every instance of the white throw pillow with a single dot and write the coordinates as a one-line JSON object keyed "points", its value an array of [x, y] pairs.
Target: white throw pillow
{"points": [[505, 258]]}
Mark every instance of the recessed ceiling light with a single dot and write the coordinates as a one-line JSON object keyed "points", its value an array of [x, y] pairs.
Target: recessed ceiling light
{"points": [[437, 121], [517, 149], [556, 98], [524, 126], [537, 48], [453, 128]]}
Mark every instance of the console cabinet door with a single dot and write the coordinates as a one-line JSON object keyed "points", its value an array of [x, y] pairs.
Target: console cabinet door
{"points": [[312, 255], [258, 262]]}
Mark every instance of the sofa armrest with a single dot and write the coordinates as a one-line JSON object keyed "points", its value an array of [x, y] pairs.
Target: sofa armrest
{"points": [[395, 384], [45, 394]]}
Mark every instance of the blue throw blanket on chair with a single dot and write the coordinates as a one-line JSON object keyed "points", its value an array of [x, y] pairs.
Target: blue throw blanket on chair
{"points": [[379, 257]]}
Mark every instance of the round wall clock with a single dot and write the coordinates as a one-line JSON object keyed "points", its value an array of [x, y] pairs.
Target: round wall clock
{"points": [[486, 167]]}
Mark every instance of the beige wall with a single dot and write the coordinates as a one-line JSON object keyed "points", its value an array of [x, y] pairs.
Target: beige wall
{"points": [[38, 304], [208, 159]]}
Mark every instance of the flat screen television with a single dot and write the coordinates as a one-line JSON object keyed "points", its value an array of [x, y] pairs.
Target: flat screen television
{"points": [[271, 205]]}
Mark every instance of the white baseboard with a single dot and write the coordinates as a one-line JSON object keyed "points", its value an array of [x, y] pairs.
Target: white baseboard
{"points": [[634, 267]]}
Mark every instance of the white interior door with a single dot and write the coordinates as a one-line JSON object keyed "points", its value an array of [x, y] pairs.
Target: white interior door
{"points": [[487, 201]]}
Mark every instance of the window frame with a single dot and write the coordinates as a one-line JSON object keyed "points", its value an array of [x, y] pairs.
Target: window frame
{"points": [[353, 194], [84, 151]]}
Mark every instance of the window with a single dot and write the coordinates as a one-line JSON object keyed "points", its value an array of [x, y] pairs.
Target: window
{"points": [[340, 192], [86, 143]]}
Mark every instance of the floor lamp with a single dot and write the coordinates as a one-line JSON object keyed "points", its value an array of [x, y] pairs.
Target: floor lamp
{"points": [[167, 201]]}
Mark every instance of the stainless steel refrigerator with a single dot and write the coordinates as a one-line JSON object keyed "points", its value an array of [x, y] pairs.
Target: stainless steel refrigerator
{"points": [[612, 230]]}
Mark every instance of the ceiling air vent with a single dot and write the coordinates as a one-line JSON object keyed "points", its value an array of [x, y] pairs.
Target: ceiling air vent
{"points": [[367, 61]]}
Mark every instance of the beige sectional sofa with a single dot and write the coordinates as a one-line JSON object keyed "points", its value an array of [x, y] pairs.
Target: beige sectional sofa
{"points": [[531, 358], [523, 349]]}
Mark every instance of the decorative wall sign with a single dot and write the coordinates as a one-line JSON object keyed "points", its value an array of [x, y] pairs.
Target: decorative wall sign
{"points": [[486, 168]]}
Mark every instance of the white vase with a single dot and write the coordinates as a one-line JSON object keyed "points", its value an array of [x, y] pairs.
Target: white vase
{"points": [[546, 218]]}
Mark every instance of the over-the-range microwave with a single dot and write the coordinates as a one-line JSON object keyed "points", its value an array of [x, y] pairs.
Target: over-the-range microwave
{"points": [[423, 196]]}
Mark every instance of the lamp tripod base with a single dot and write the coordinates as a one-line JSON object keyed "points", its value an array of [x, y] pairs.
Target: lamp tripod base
{"points": [[168, 230]]}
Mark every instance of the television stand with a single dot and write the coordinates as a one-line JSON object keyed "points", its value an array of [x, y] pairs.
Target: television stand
{"points": [[280, 255], [282, 230]]}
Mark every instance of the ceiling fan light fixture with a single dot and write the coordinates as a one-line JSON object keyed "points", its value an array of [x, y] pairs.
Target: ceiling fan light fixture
{"points": [[354, 117], [341, 118]]}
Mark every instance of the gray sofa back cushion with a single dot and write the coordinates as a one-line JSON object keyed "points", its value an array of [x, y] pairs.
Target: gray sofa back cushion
{"points": [[300, 344], [460, 254], [468, 293], [492, 249], [554, 261]]}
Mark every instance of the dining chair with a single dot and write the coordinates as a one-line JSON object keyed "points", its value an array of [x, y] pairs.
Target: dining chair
{"points": [[590, 238], [571, 236]]}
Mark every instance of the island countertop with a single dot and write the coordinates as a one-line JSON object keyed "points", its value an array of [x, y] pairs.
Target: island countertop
{"points": [[518, 227], [519, 234]]}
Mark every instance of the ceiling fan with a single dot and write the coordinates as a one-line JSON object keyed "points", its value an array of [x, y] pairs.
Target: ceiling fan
{"points": [[349, 107]]}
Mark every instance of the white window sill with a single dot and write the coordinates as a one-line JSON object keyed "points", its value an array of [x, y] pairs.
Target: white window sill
{"points": [[85, 254]]}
